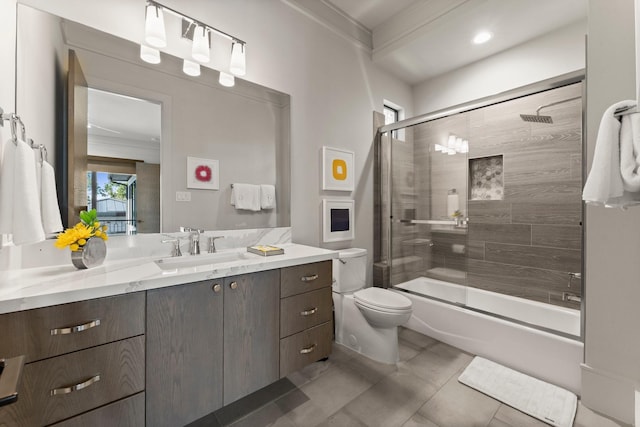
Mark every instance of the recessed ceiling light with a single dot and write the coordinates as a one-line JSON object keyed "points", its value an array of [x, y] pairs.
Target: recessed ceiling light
{"points": [[482, 37]]}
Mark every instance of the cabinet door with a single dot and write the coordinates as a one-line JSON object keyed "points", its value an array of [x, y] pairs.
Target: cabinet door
{"points": [[184, 353], [251, 333]]}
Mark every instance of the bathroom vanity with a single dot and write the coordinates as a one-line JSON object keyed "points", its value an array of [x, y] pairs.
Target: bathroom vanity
{"points": [[161, 346]]}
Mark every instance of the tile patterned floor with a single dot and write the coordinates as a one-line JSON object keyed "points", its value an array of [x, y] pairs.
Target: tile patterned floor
{"points": [[349, 390]]}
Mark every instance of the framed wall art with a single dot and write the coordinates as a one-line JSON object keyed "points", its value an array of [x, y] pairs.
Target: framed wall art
{"points": [[203, 173], [337, 169], [337, 220]]}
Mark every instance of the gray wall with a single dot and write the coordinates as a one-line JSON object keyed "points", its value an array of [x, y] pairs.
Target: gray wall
{"points": [[612, 350]]}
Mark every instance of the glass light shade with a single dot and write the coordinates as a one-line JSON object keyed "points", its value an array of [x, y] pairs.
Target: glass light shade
{"points": [[451, 143], [438, 147], [149, 54], [465, 146], [200, 50], [451, 151], [154, 32], [226, 79], [191, 68], [458, 146], [238, 64], [482, 37]]}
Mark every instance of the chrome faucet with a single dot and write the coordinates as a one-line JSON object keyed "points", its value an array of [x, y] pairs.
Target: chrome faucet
{"points": [[212, 243], [194, 239], [176, 246]]}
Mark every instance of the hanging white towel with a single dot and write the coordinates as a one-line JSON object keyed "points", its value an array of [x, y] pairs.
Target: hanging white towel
{"points": [[267, 196], [605, 185], [630, 152], [246, 197], [19, 196], [51, 220]]}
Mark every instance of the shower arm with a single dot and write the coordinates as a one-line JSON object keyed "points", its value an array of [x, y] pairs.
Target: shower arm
{"points": [[556, 103]]}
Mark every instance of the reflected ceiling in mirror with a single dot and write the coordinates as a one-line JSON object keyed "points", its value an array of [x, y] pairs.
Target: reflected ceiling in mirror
{"points": [[245, 128]]}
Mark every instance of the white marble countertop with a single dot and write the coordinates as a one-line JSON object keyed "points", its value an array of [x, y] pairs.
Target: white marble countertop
{"points": [[26, 289]]}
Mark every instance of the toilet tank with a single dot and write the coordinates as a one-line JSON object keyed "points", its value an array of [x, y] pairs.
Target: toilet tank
{"points": [[350, 270]]}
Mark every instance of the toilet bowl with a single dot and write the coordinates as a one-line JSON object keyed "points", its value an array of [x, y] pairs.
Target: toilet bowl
{"points": [[366, 319]]}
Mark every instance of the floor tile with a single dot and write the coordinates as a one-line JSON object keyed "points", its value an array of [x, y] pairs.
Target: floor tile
{"points": [[269, 415], [325, 395], [392, 401], [419, 421], [371, 370], [417, 339], [456, 405], [342, 419], [407, 350], [437, 363], [514, 418], [585, 417]]}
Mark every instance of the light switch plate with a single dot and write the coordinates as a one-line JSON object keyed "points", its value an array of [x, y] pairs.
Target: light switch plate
{"points": [[183, 196]]}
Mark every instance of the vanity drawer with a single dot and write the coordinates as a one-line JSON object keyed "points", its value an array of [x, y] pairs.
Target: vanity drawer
{"points": [[305, 347], [304, 278], [60, 329], [127, 412], [303, 311], [61, 387]]}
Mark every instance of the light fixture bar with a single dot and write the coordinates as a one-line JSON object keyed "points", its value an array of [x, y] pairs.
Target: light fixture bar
{"points": [[202, 24]]}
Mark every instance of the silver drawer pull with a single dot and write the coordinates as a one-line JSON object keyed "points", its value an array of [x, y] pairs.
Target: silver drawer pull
{"points": [[310, 278], [314, 310], [308, 349], [75, 387], [74, 329]]}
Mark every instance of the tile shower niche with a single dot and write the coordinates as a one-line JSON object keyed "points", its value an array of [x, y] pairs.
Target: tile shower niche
{"points": [[486, 178]]}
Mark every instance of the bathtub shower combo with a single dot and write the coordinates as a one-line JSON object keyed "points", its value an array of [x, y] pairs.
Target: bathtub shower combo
{"points": [[480, 216]]}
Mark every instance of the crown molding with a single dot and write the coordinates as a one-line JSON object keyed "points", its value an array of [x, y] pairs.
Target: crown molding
{"points": [[335, 20]]}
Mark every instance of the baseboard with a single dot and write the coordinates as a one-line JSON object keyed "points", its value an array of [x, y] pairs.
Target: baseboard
{"points": [[609, 394]]}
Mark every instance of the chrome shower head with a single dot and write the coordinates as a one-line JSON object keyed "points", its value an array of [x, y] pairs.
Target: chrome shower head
{"points": [[536, 118]]}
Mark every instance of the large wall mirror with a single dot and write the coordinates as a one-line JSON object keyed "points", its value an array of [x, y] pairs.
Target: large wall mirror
{"points": [[123, 130]]}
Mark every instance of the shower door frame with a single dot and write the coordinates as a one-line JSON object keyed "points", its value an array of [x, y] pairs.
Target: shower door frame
{"points": [[523, 91]]}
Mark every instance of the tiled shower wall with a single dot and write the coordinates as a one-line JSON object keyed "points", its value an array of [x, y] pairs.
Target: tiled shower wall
{"points": [[527, 244], [523, 245]]}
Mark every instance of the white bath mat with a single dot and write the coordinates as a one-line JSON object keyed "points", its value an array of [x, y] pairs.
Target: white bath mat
{"points": [[544, 401]]}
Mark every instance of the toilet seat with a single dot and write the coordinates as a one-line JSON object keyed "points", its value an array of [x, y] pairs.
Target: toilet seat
{"points": [[382, 300]]}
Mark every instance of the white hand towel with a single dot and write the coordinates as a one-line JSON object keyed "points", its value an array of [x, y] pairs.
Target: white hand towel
{"points": [[246, 197], [6, 187], [267, 196], [630, 152], [604, 184], [24, 220], [51, 221]]}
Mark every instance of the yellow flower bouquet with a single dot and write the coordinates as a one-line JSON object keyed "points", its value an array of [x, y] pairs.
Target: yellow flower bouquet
{"points": [[77, 236]]}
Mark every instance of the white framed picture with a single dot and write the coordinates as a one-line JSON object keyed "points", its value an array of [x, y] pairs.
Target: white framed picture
{"points": [[337, 220], [203, 173], [337, 169]]}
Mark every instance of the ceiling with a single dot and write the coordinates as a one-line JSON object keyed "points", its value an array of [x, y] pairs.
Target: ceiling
{"points": [[420, 39]]}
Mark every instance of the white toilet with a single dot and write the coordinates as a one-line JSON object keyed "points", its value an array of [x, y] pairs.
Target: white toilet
{"points": [[367, 319]]}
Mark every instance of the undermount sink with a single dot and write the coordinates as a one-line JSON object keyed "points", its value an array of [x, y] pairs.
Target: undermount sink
{"points": [[197, 260]]}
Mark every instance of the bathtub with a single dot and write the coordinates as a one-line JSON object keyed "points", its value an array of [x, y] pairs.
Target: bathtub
{"points": [[551, 357]]}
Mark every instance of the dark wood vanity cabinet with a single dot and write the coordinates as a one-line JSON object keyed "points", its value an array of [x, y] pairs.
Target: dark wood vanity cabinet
{"points": [[184, 352], [84, 361], [306, 315], [168, 356]]}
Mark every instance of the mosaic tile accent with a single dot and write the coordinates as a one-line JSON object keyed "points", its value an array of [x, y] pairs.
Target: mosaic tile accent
{"points": [[486, 176]]}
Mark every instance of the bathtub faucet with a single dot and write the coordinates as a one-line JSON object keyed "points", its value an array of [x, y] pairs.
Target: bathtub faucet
{"points": [[567, 296]]}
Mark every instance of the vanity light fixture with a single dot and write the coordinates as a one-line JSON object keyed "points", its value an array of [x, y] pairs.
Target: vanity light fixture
{"points": [[200, 34], [149, 54], [191, 68], [154, 32], [226, 79], [482, 37], [454, 145], [238, 64], [200, 47]]}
